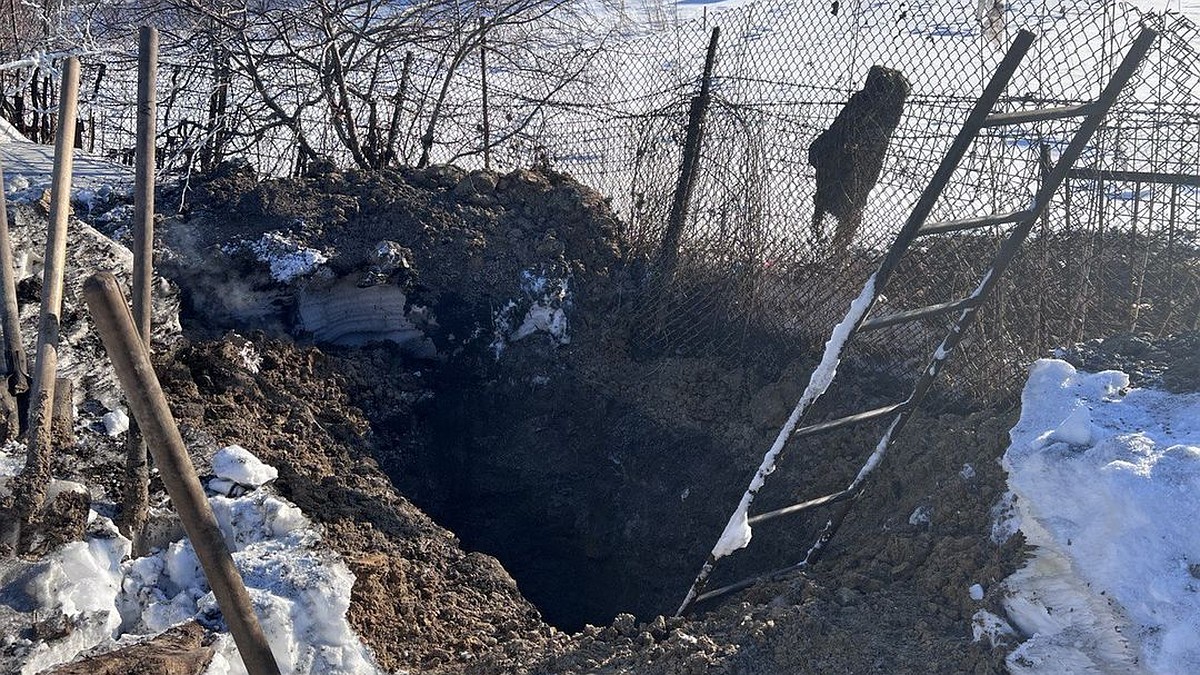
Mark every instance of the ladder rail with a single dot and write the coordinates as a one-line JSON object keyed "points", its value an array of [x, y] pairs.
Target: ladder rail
{"points": [[954, 154]]}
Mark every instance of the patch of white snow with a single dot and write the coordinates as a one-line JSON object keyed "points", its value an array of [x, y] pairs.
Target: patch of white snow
{"points": [[1108, 488], [238, 465], [287, 258], [116, 422]]}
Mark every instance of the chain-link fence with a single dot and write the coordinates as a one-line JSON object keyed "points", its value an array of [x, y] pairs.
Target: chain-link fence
{"points": [[609, 103], [1116, 252]]}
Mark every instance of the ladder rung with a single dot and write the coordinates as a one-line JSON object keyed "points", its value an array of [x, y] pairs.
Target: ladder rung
{"points": [[1037, 115], [747, 583], [972, 223], [849, 419], [802, 506], [913, 315]]}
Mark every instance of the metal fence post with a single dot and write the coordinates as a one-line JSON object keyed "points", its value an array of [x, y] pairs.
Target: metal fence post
{"points": [[131, 360], [487, 131], [669, 253]]}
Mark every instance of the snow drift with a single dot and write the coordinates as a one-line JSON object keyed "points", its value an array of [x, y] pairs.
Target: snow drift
{"points": [[1107, 481]]}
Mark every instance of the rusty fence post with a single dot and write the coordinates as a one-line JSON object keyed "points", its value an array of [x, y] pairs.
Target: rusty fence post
{"points": [[36, 474], [131, 360], [135, 502]]}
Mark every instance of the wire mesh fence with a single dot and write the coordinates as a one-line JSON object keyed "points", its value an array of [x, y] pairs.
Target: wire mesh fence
{"points": [[1116, 252], [609, 102]]}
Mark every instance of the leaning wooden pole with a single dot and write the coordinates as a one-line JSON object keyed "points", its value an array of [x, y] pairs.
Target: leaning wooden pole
{"points": [[36, 475], [136, 499], [131, 361], [16, 386]]}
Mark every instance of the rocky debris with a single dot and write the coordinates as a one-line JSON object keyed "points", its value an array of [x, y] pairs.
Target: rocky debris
{"points": [[452, 244], [185, 649], [1170, 362], [390, 259], [63, 518]]}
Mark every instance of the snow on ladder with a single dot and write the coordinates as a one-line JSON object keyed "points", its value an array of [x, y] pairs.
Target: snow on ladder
{"points": [[737, 532]]}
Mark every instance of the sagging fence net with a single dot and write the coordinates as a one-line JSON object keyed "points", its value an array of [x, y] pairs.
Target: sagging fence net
{"points": [[608, 100]]}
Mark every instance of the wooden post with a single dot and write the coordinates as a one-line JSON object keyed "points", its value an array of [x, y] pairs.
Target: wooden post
{"points": [[63, 413], [16, 386], [143, 195], [669, 253], [136, 500], [487, 131], [36, 475], [131, 360]]}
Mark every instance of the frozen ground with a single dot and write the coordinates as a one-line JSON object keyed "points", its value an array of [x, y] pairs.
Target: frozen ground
{"points": [[300, 589], [33, 165], [1107, 485]]}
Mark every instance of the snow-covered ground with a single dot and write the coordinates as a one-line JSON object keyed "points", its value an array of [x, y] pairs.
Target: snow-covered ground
{"points": [[1107, 487], [300, 589]]}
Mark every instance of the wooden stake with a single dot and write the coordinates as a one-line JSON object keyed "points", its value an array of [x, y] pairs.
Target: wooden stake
{"points": [[16, 386], [143, 177], [135, 503], [487, 130], [131, 360], [36, 475]]}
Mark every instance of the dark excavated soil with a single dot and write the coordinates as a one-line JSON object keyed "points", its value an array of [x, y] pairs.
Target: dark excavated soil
{"points": [[542, 511], [420, 600], [598, 474]]}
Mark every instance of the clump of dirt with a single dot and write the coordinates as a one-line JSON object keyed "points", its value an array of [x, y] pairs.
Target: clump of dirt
{"points": [[420, 601], [1170, 362], [185, 649]]}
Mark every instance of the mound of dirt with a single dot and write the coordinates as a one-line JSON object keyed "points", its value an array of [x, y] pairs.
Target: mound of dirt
{"points": [[1169, 362], [448, 366], [420, 601], [459, 247], [599, 474]]}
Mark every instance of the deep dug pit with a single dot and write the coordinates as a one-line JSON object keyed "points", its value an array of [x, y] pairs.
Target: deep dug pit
{"points": [[473, 338]]}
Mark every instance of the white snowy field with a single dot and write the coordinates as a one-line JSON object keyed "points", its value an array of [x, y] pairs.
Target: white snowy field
{"points": [[300, 589], [1107, 488]]}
